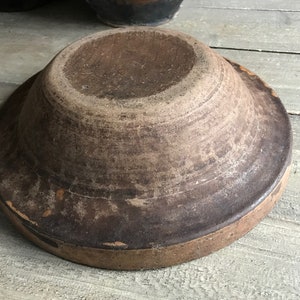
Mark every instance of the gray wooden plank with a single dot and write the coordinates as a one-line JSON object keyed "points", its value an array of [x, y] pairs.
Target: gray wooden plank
{"points": [[287, 5], [25, 53], [290, 98], [29, 40], [20, 58], [47, 30], [265, 264], [280, 71], [245, 29]]}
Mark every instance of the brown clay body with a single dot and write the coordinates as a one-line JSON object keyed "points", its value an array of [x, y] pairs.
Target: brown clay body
{"points": [[141, 158]]}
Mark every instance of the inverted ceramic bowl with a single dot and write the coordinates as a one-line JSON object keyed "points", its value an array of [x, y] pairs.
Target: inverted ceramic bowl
{"points": [[135, 12], [141, 148]]}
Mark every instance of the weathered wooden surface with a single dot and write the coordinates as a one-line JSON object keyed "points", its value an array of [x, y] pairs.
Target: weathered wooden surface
{"points": [[51, 28], [243, 29], [278, 5], [265, 264]]}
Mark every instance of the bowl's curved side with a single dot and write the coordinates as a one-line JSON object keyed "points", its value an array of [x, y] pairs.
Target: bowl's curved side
{"points": [[118, 258], [115, 254]]}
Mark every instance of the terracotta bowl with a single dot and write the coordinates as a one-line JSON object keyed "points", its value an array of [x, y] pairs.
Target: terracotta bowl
{"points": [[141, 148], [135, 12]]}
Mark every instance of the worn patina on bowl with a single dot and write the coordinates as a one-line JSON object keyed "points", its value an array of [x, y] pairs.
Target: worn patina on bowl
{"points": [[135, 12], [141, 148]]}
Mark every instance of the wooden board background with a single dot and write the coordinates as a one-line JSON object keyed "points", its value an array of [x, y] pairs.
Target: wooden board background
{"points": [[264, 36]]}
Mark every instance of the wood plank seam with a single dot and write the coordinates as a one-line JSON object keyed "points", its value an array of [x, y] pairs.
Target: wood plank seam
{"points": [[245, 8], [255, 50]]}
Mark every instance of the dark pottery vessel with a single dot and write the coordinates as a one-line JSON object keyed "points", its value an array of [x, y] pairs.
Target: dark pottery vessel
{"points": [[19, 5], [141, 148], [135, 12]]}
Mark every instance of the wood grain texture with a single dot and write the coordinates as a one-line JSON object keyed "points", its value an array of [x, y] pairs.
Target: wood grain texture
{"points": [[263, 30], [260, 30], [265, 264], [281, 71], [29, 40], [278, 5]]}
